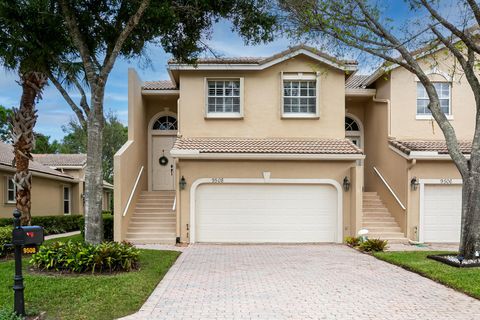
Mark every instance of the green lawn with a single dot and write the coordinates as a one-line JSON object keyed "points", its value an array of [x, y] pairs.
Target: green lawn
{"points": [[86, 296], [466, 280]]}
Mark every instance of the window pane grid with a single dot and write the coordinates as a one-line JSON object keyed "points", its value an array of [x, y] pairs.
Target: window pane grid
{"points": [[443, 91], [299, 96], [11, 190], [223, 96]]}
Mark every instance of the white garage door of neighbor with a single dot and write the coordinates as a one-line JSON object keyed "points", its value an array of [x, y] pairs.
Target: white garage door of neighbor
{"points": [[259, 213], [442, 213]]}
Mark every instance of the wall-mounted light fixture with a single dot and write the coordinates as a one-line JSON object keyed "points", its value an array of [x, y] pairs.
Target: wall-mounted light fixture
{"points": [[182, 183], [414, 183], [346, 184]]}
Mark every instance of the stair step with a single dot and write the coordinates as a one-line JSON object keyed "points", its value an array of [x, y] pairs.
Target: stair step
{"points": [[152, 218], [386, 235], [153, 235], [384, 229], [152, 241], [151, 229], [148, 213], [138, 223], [375, 223]]}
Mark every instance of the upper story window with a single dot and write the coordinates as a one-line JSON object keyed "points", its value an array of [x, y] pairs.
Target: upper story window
{"points": [[299, 95], [11, 192], [443, 91], [224, 97]]}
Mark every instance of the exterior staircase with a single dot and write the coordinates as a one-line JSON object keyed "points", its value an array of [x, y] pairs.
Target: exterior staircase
{"points": [[153, 220], [378, 220]]}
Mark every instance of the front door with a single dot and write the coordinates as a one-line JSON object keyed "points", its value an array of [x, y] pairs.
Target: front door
{"points": [[163, 166]]}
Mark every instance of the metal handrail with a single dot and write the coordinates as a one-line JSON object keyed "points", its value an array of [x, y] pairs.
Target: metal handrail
{"points": [[133, 192], [389, 188]]}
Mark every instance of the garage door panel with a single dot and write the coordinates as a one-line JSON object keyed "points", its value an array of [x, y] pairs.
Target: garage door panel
{"points": [[442, 213], [266, 213]]}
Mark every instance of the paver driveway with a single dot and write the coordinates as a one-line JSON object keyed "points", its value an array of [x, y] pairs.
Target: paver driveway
{"points": [[298, 282]]}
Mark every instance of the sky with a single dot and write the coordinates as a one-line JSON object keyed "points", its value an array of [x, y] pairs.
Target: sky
{"points": [[54, 112]]}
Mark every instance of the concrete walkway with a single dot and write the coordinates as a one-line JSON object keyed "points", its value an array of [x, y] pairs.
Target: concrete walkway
{"points": [[297, 282], [61, 235]]}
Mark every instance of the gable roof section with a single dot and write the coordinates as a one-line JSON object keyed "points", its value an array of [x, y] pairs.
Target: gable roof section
{"points": [[61, 160], [264, 146], [260, 63], [6, 158], [416, 147], [356, 82]]}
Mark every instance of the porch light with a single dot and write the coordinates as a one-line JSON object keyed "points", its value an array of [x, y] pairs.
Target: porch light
{"points": [[414, 184], [182, 183], [346, 184]]}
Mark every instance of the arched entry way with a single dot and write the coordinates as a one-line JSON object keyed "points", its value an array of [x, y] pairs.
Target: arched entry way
{"points": [[354, 130], [162, 132]]}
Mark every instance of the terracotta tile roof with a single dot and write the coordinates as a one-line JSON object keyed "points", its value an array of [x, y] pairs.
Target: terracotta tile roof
{"points": [[6, 158], [440, 146], [263, 60], [61, 160], [268, 145], [159, 85], [356, 81]]}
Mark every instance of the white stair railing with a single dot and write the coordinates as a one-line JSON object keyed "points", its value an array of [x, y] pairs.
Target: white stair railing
{"points": [[133, 192]]}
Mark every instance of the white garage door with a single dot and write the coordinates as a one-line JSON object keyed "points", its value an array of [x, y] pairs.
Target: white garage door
{"points": [[442, 213], [266, 213]]}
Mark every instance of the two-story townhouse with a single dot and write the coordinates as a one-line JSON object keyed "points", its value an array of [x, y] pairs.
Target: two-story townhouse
{"points": [[240, 150], [407, 163], [290, 148]]}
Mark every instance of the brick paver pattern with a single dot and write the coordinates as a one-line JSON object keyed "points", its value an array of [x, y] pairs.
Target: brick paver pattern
{"points": [[298, 282]]}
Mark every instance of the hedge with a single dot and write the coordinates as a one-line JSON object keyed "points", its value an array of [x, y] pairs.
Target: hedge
{"points": [[5, 238], [51, 224], [107, 227]]}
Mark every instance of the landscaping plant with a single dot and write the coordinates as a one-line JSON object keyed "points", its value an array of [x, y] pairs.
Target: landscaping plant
{"points": [[51, 224], [80, 257], [373, 245], [5, 238], [352, 241], [9, 314]]}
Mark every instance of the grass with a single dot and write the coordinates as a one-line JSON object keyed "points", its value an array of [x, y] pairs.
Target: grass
{"points": [[466, 280], [87, 296]]}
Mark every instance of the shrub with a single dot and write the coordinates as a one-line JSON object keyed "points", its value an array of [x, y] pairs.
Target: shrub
{"points": [[107, 227], [373, 245], [352, 241], [51, 224], [7, 314], [5, 237], [79, 257]]}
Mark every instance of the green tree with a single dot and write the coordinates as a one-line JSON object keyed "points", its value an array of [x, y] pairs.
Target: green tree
{"points": [[5, 126], [103, 30], [363, 25], [31, 43], [43, 145], [115, 134]]}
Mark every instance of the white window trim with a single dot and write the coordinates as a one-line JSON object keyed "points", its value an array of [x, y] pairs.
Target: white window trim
{"points": [[69, 200], [223, 115], [8, 201], [424, 116], [300, 76]]}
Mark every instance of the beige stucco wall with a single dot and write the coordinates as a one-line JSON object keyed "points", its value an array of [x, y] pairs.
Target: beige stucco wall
{"points": [[196, 169], [404, 102], [262, 104], [131, 157], [47, 196]]}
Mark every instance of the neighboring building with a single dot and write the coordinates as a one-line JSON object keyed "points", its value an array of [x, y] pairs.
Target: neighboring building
{"points": [[57, 184], [274, 150]]}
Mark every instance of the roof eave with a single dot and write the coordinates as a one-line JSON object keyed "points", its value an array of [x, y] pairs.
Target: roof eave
{"points": [[196, 154]]}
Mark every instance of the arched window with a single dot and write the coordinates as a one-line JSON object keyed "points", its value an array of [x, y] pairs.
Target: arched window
{"points": [[351, 125], [165, 123]]}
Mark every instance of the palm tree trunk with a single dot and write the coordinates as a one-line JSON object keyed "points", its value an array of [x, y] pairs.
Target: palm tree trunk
{"points": [[23, 122]]}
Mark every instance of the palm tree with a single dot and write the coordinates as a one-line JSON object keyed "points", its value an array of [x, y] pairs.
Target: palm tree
{"points": [[31, 43]]}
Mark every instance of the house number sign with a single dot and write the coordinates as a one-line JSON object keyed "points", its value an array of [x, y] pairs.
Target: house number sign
{"points": [[446, 181], [217, 180]]}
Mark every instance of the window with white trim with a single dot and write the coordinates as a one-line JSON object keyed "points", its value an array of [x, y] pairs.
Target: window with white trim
{"points": [[11, 191], [66, 200], [299, 96], [224, 97], [443, 90]]}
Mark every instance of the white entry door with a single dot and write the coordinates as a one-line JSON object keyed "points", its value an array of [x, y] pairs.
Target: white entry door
{"points": [[256, 213], [442, 213], [163, 166]]}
